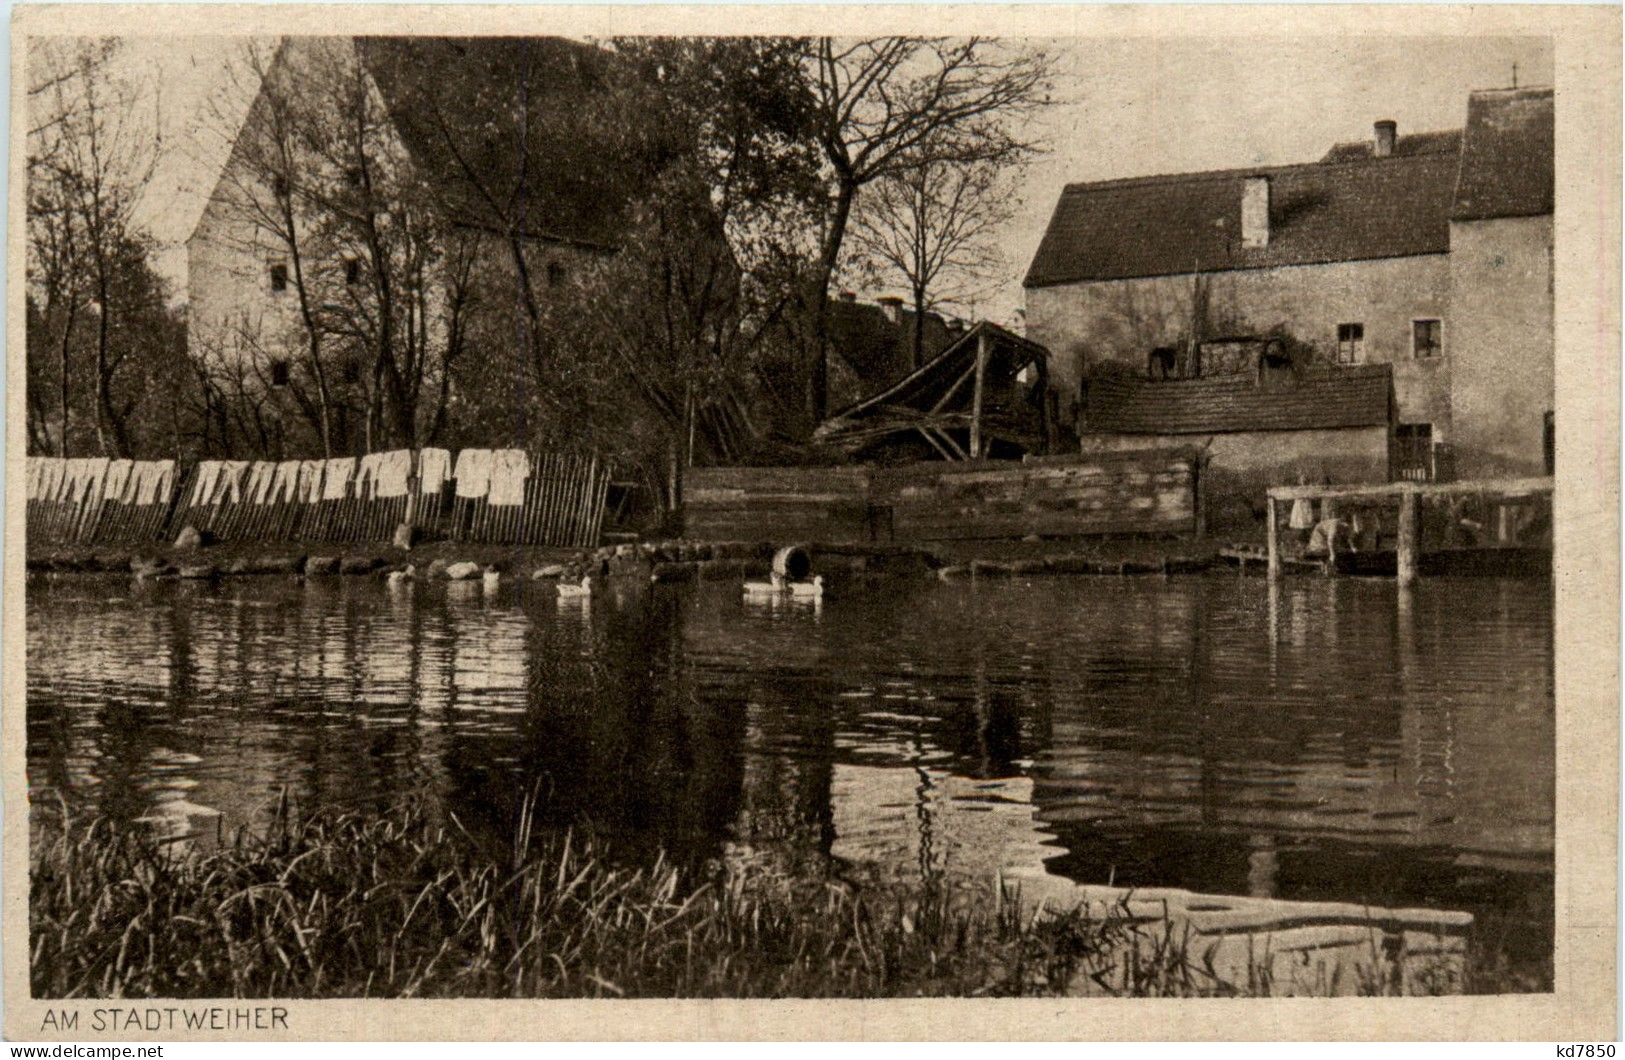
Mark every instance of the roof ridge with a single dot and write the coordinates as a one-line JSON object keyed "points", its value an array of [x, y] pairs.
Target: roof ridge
{"points": [[1154, 179]]}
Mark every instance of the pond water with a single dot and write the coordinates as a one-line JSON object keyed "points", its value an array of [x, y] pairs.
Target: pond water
{"points": [[1331, 741]]}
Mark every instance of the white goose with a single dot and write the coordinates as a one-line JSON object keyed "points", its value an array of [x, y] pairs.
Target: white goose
{"points": [[583, 591]]}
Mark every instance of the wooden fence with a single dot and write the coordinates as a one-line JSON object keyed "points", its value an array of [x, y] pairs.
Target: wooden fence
{"points": [[1138, 492], [98, 501], [547, 499]]}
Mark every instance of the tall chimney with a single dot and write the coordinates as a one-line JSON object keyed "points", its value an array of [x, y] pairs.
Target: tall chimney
{"points": [[1386, 132], [1255, 212]]}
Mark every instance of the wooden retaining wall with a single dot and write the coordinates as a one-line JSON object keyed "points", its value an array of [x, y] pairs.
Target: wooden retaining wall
{"points": [[1142, 492], [779, 504]]}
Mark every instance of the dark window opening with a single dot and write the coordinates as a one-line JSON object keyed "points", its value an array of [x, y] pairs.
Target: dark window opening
{"points": [[279, 371], [1413, 452], [1162, 362], [1427, 338], [352, 176], [279, 277], [352, 373], [1350, 343], [279, 185], [555, 274], [1548, 442], [352, 271]]}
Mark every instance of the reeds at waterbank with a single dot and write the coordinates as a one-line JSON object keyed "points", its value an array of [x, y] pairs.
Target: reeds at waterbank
{"points": [[409, 904]]}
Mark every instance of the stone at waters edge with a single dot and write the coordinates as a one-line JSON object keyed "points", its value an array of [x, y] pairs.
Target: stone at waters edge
{"points": [[189, 538], [403, 536], [199, 571], [552, 570], [321, 565], [437, 568], [359, 564], [463, 570]]}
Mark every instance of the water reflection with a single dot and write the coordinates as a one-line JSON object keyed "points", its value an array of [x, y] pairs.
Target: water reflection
{"points": [[1327, 741]]}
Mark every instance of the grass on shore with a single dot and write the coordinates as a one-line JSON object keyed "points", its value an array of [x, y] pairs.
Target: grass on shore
{"points": [[408, 904]]}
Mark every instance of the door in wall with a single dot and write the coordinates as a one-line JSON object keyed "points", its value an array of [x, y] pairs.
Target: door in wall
{"points": [[1413, 452]]}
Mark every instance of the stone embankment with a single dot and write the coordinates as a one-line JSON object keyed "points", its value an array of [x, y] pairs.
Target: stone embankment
{"points": [[662, 562]]}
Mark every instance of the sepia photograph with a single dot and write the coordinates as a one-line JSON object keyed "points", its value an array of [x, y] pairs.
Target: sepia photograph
{"points": [[750, 514]]}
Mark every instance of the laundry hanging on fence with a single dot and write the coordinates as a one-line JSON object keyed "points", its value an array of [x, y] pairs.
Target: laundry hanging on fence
{"points": [[152, 481], [260, 477], [56, 480], [85, 478], [473, 473], [310, 480], [285, 482], [204, 481], [232, 473], [336, 478], [392, 473], [509, 469], [116, 483], [366, 475], [434, 467]]}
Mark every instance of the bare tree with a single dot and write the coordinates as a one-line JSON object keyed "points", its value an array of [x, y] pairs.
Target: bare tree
{"points": [[933, 226], [96, 303], [894, 103]]}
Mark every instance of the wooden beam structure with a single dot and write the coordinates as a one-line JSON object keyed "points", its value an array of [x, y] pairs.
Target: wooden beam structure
{"points": [[1409, 497]]}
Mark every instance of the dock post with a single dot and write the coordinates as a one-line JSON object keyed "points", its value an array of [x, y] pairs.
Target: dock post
{"points": [[1273, 537], [1409, 503]]}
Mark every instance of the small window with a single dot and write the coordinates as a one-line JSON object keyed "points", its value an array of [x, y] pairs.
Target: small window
{"points": [[1350, 343], [352, 271], [352, 176], [555, 274], [279, 185], [279, 371], [1427, 338], [279, 277]]}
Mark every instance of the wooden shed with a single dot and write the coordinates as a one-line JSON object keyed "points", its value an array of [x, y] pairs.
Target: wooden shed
{"points": [[985, 395]]}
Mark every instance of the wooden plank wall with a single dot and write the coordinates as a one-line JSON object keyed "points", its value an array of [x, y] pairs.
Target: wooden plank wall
{"points": [[777, 504], [1144, 492], [1098, 493]]}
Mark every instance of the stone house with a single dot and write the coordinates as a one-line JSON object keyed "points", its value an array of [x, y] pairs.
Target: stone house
{"points": [[1428, 254], [246, 276]]}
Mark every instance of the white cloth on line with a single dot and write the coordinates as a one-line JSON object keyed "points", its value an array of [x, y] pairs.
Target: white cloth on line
{"points": [[87, 478], [310, 480], [204, 480], [366, 477], [116, 483], [163, 482], [434, 467], [285, 486], [232, 473], [393, 472], [260, 477], [53, 478], [509, 469], [473, 473], [336, 478]]}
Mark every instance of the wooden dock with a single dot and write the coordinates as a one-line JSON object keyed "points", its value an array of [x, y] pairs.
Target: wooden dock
{"points": [[1408, 497]]}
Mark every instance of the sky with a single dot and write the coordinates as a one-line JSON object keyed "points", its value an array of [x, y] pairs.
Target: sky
{"points": [[1123, 107]]}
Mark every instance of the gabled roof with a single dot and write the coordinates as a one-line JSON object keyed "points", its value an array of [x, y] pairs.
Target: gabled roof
{"points": [[1319, 212], [1506, 155], [1447, 141], [1319, 398], [1349, 206]]}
